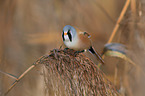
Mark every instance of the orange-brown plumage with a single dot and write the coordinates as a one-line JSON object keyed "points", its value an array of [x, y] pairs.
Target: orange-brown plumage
{"points": [[84, 41]]}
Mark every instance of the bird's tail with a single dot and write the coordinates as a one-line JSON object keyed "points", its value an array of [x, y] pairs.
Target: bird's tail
{"points": [[91, 50]]}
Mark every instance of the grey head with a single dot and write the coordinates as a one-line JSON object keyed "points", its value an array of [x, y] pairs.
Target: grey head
{"points": [[68, 33]]}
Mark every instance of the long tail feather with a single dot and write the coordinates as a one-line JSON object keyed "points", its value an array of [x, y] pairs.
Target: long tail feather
{"points": [[91, 50]]}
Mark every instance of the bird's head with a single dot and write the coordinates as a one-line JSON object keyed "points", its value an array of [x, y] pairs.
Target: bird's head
{"points": [[68, 33]]}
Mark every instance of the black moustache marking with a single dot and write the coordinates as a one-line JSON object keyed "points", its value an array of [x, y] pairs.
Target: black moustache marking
{"points": [[63, 36], [69, 35]]}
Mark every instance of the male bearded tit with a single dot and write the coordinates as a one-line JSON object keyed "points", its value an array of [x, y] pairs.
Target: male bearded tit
{"points": [[77, 40]]}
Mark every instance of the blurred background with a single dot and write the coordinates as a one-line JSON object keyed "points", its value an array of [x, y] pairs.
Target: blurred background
{"points": [[31, 28]]}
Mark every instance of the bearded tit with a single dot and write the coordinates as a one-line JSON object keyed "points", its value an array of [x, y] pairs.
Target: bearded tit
{"points": [[77, 40]]}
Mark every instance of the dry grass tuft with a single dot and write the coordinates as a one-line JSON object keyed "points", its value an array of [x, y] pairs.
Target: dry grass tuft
{"points": [[67, 75]]}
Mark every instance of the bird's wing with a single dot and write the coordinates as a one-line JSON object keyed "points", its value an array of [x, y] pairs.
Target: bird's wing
{"points": [[84, 40], [87, 35]]}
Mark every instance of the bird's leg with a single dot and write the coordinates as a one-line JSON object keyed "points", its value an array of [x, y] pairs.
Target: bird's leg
{"points": [[69, 51], [66, 48], [77, 52], [61, 46]]}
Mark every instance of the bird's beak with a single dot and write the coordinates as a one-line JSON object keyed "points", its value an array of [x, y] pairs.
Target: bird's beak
{"points": [[65, 33]]}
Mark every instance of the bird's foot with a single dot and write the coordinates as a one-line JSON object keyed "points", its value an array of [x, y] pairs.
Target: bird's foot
{"points": [[69, 51], [77, 52], [72, 52]]}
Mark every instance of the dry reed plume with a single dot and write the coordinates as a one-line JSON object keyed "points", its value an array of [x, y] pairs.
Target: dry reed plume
{"points": [[68, 75]]}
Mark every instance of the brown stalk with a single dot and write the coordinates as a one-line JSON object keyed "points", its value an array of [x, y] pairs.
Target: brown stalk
{"points": [[119, 20], [23, 74]]}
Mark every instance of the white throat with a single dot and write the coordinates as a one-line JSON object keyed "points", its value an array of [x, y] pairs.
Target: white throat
{"points": [[71, 44]]}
